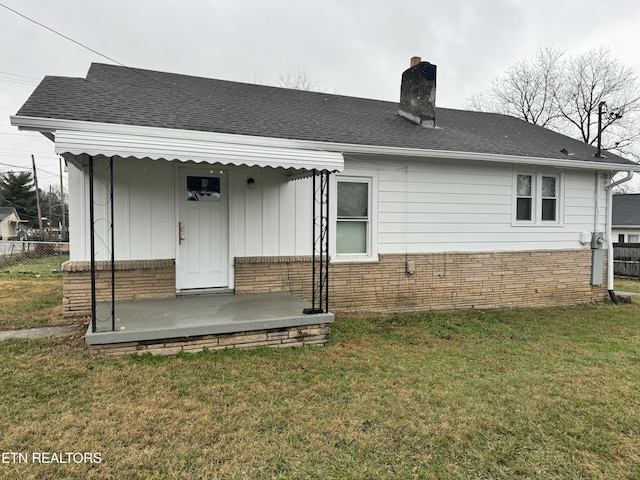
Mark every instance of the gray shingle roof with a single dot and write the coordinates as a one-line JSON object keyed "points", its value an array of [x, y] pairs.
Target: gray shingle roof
{"points": [[626, 209], [129, 96], [6, 211]]}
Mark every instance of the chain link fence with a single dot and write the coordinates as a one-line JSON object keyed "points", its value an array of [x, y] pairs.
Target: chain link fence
{"points": [[32, 259]]}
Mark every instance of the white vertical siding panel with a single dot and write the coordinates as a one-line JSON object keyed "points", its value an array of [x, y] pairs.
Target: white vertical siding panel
{"points": [[140, 208], [101, 209], [122, 214], [271, 212], [77, 205], [162, 212], [287, 218], [237, 186], [303, 220], [253, 217]]}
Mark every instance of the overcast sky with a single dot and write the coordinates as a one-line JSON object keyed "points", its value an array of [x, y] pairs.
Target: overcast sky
{"points": [[350, 47]]}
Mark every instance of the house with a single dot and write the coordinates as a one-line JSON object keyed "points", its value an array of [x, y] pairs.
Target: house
{"points": [[349, 203], [626, 218], [9, 222]]}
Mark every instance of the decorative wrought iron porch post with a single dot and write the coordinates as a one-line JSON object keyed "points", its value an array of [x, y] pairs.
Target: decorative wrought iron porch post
{"points": [[320, 244], [92, 239]]}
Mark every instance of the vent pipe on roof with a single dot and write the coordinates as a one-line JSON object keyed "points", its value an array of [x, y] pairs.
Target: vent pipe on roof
{"points": [[418, 93]]}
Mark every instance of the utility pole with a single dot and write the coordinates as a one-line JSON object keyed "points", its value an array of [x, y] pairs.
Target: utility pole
{"points": [[600, 107], [64, 221], [48, 236], [35, 180]]}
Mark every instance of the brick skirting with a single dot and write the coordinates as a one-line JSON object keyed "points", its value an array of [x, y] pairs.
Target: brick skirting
{"points": [[135, 279], [442, 281], [301, 336]]}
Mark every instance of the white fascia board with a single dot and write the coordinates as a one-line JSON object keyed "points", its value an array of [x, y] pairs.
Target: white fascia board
{"points": [[51, 125]]}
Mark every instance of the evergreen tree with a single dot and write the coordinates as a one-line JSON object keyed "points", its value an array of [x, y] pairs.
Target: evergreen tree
{"points": [[17, 190]]}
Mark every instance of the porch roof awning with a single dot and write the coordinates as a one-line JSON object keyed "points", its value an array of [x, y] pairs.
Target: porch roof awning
{"points": [[196, 150]]}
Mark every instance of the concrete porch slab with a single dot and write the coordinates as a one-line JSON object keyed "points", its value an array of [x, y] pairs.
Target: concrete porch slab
{"points": [[195, 316]]}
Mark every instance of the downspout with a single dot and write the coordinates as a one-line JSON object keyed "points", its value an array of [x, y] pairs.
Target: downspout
{"points": [[609, 188]]}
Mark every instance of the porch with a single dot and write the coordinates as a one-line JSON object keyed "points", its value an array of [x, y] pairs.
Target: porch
{"points": [[216, 321]]}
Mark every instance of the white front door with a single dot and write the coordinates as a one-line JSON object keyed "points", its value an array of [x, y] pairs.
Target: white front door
{"points": [[202, 260]]}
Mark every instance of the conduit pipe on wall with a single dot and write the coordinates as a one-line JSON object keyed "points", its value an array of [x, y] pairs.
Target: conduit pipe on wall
{"points": [[609, 188]]}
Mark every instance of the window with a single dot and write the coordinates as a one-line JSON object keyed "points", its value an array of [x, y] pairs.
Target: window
{"points": [[633, 238], [537, 198], [549, 199], [352, 227], [525, 197], [621, 238], [354, 217], [203, 189]]}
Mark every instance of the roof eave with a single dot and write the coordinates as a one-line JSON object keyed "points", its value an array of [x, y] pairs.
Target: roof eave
{"points": [[51, 125]]}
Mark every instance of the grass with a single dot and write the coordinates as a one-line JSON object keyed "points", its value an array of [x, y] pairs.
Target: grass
{"points": [[627, 285], [31, 293], [539, 393]]}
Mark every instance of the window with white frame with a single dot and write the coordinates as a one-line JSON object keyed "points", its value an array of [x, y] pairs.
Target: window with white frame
{"points": [[549, 197], [353, 232], [524, 200], [537, 198]]}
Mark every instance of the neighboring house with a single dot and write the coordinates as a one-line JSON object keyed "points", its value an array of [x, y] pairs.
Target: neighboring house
{"points": [[429, 208], [9, 222], [626, 218]]}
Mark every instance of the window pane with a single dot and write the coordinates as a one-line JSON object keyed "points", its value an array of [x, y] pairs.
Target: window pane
{"points": [[351, 237], [549, 187], [633, 238], [549, 209], [524, 185], [353, 199], [203, 189], [523, 209]]}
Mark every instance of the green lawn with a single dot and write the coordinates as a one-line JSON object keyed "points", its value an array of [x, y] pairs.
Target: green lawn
{"points": [[30, 292], [627, 285], [540, 393]]}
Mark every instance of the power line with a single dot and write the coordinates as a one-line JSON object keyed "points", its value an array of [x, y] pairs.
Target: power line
{"points": [[62, 35], [17, 75]]}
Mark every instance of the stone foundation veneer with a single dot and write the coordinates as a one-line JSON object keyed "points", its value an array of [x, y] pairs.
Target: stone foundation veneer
{"points": [[302, 336], [442, 281], [135, 279]]}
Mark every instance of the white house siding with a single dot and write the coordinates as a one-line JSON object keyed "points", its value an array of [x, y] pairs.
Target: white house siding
{"points": [[144, 210], [271, 219], [433, 206], [423, 206]]}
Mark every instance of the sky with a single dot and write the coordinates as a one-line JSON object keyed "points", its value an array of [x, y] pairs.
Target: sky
{"points": [[349, 47]]}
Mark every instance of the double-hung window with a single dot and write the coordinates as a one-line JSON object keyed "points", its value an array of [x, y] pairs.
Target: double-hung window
{"points": [[537, 198], [524, 201], [355, 218], [549, 198], [352, 228]]}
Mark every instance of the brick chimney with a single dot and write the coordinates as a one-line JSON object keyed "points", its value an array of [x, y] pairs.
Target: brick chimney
{"points": [[418, 93]]}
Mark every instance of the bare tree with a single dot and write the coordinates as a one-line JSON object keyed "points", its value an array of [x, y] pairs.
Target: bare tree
{"points": [[564, 93], [526, 90], [298, 81], [595, 78]]}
